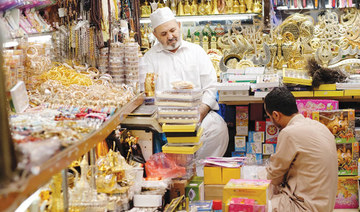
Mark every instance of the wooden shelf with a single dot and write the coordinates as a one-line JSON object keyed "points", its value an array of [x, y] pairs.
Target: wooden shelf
{"points": [[251, 99], [192, 18], [62, 159]]}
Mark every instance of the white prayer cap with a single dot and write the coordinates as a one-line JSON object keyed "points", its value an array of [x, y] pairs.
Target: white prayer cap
{"points": [[161, 16]]}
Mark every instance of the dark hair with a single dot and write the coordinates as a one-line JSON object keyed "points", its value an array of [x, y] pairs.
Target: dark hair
{"points": [[282, 100]]}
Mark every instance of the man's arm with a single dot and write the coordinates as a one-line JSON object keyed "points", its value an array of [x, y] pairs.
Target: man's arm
{"points": [[203, 110], [208, 80], [280, 162]]}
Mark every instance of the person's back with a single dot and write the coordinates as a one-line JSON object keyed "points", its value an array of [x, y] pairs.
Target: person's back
{"points": [[303, 171], [312, 175]]}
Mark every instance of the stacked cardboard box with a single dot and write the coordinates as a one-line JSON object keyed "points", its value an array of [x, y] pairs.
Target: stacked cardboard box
{"points": [[342, 125]]}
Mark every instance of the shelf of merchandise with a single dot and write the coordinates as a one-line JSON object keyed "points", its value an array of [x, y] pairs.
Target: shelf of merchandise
{"points": [[251, 99], [34, 37], [62, 159], [191, 18]]}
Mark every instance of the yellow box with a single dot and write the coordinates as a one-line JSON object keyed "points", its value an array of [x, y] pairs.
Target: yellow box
{"points": [[298, 81], [212, 175], [214, 192], [303, 93], [251, 189], [179, 127], [194, 139], [352, 93], [181, 149], [326, 87], [230, 173], [328, 93]]}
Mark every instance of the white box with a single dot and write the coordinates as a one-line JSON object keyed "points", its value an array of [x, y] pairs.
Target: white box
{"points": [[147, 200]]}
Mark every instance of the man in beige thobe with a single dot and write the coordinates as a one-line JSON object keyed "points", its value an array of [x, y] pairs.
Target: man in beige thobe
{"points": [[303, 171]]}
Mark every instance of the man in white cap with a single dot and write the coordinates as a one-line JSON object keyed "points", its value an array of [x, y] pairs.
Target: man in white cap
{"points": [[174, 59]]}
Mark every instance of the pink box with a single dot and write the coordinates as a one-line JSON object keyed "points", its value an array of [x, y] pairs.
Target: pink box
{"points": [[240, 204], [307, 106], [347, 193]]}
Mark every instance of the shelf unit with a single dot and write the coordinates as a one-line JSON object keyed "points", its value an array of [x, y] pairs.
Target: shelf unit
{"points": [[34, 37], [230, 17], [251, 99], [63, 158]]}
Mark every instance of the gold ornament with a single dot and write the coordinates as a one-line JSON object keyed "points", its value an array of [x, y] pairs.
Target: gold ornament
{"points": [[187, 8], [173, 7], [257, 7], [215, 10], [242, 7], [180, 10], [194, 8], [229, 6], [202, 8], [208, 7], [249, 6], [161, 4]]}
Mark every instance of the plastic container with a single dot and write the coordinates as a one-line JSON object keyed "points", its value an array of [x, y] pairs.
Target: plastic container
{"points": [[181, 159], [169, 103], [179, 95], [116, 62], [131, 59], [119, 54], [178, 118], [178, 110], [131, 53]]}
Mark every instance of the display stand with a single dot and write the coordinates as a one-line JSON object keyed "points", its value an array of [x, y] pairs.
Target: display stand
{"points": [[42, 174]]}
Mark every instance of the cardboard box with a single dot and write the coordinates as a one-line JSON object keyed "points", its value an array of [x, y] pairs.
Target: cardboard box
{"points": [[241, 204], [347, 194], [256, 136], [230, 173], [254, 147], [250, 189], [269, 149], [348, 156], [195, 191], [260, 126], [238, 154], [271, 132], [240, 143], [178, 188], [254, 158], [214, 192], [307, 106], [242, 120], [341, 123], [212, 175]]}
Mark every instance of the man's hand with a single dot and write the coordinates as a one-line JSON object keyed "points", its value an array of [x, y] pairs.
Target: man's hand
{"points": [[203, 110]]}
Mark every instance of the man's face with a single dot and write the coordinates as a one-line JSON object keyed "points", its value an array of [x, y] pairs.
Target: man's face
{"points": [[169, 35]]}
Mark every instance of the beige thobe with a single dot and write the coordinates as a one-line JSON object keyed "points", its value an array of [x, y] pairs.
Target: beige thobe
{"points": [[304, 167]]}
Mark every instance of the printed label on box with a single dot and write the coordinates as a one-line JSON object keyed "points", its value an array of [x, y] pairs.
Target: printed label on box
{"points": [[348, 155], [269, 149], [256, 136], [341, 124], [307, 106], [242, 120], [254, 158], [240, 143], [347, 193], [253, 147], [260, 126], [271, 132], [237, 154]]}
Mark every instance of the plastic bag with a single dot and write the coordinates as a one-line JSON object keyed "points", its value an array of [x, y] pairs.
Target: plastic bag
{"points": [[159, 165]]}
